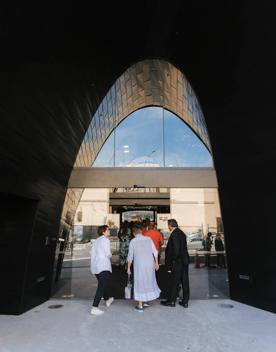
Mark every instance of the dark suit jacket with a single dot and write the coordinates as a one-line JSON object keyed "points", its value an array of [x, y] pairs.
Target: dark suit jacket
{"points": [[176, 250], [219, 246]]}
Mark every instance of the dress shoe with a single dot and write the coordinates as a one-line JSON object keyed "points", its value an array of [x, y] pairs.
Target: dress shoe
{"points": [[168, 303], [184, 305]]}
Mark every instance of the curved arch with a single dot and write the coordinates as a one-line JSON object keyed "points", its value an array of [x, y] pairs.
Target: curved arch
{"points": [[146, 83]]}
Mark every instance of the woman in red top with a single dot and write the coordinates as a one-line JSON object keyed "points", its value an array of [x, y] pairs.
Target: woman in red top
{"points": [[156, 237]]}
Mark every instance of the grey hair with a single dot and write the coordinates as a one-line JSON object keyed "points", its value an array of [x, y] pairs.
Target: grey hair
{"points": [[172, 223]]}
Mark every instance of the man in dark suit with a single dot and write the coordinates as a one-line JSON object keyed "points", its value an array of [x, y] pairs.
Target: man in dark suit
{"points": [[177, 262]]}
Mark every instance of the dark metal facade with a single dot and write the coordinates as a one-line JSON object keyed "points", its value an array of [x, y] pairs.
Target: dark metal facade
{"points": [[58, 64]]}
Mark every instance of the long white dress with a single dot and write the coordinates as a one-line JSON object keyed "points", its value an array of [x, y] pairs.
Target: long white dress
{"points": [[142, 252]]}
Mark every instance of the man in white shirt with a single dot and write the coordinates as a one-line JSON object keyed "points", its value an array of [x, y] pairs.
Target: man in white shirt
{"points": [[101, 267]]}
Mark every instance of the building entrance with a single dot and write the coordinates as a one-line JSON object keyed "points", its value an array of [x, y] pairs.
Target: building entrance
{"points": [[196, 210]]}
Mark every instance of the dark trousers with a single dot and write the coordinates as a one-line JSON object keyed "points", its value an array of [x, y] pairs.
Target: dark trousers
{"points": [[220, 260], [159, 257], [208, 259], [180, 276], [103, 278]]}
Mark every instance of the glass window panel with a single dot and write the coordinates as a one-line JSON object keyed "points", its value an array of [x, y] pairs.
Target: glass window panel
{"points": [[139, 139], [105, 157], [182, 146], [139, 143]]}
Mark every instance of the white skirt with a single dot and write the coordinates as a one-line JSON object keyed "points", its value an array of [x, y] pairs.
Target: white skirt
{"points": [[145, 285]]}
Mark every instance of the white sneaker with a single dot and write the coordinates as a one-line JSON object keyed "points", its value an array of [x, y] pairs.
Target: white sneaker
{"points": [[96, 311], [109, 301]]}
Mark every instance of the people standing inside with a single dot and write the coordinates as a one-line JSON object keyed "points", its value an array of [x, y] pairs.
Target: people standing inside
{"points": [[207, 245], [72, 239], [144, 256], [177, 262], [219, 247], [144, 226], [124, 235], [101, 267], [156, 236]]}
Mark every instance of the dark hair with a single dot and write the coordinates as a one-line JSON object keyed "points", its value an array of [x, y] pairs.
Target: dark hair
{"points": [[147, 221], [102, 229], [172, 223], [136, 228]]}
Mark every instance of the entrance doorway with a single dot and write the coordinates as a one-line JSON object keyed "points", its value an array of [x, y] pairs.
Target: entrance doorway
{"points": [[152, 161], [196, 210]]}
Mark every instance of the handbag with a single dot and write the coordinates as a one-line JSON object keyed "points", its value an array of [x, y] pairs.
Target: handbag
{"points": [[128, 288]]}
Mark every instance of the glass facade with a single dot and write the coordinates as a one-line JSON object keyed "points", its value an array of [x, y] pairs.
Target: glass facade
{"points": [[182, 146], [150, 117], [153, 137], [197, 212], [146, 83]]}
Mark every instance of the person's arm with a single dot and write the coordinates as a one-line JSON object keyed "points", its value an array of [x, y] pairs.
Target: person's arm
{"points": [[155, 254], [119, 236], [161, 240], [156, 264], [107, 248], [128, 267], [130, 257], [176, 247], [168, 254]]}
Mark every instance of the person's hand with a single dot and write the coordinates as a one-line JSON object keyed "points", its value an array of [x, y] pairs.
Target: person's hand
{"points": [[156, 265], [128, 271]]}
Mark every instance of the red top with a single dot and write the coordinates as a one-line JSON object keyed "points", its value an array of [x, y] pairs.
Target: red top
{"points": [[156, 237]]}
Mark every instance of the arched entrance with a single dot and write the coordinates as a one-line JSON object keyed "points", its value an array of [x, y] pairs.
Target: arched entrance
{"points": [[161, 88], [146, 83]]}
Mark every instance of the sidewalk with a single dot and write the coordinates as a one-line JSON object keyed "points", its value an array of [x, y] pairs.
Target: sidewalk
{"points": [[204, 327]]}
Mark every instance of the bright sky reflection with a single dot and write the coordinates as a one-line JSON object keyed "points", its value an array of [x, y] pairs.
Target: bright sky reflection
{"points": [[141, 141]]}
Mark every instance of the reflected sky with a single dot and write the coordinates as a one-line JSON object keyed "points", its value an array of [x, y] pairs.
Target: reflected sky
{"points": [[182, 146], [141, 141], [105, 157]]}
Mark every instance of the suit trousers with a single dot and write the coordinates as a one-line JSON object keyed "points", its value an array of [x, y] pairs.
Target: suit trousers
{"points": [[103, 278], [180, 276]]}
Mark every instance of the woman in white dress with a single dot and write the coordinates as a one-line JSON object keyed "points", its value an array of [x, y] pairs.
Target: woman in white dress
{"points": [[101, 267], [144, 256]]}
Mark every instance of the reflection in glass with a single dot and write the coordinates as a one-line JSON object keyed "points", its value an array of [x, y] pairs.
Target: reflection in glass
{"points": [[105, 157], [153, 137], [139, 139], [182, 146]]}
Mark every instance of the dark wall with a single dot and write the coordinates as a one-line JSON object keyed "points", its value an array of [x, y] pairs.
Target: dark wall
{"points": [[56, 66]]}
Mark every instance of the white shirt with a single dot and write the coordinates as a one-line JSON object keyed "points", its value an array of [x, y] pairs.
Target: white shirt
{"points": [[100, 255]]}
